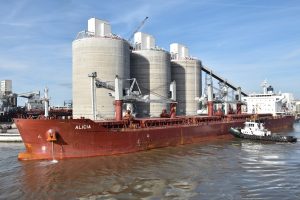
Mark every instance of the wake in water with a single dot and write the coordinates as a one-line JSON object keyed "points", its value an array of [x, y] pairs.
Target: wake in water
{"points": [[54, 161], [48, 162]]}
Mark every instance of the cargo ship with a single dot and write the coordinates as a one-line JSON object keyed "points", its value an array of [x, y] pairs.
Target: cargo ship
{"points": [[70, 138], [59, 139], [46, 138], [99, 126]]}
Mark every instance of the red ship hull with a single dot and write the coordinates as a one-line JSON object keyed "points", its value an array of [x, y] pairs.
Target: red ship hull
{"points": [[85, 138]]}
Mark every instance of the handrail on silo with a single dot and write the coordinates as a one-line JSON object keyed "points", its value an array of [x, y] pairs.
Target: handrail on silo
{"points": [[89, 34], [84, 34]]}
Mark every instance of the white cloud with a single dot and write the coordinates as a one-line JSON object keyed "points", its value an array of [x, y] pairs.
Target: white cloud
{"points": [[14, 9], [15, 24], [295, 53], [12, 64]]}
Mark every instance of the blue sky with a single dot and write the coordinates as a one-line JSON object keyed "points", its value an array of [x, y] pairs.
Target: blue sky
{"points": [[244, 41]]}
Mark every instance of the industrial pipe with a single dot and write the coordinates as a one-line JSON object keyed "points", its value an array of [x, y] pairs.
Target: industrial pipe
{"points": [[46, 99], [118, 108], [238, 108], [210, 103], [226, 105], [239, 99], [173, 110], [118, 98], [173, 90], [93, 76]]}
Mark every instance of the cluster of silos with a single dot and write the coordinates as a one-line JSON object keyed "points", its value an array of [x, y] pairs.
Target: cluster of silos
{"points": [[97, 50], [151, 68], [186, 71]]}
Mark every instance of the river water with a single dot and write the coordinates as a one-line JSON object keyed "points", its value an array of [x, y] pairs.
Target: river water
{"points": [[221, 169]]}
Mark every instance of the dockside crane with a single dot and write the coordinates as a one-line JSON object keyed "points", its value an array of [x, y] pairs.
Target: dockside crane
{"points": [[29, 95], [137, 29]]}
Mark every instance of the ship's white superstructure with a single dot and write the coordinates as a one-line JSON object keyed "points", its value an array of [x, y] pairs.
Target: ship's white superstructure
{"points": [[269, 102]]}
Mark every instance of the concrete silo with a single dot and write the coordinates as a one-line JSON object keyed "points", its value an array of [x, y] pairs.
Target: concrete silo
{"points": [[186, 72], [151, 67], [97, 50]]}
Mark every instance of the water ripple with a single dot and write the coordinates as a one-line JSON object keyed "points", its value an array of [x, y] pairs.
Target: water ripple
{"points": [[224, 169]]}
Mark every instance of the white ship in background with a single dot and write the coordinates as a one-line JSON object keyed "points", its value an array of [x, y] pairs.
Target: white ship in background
{"points": [[269, 102]]}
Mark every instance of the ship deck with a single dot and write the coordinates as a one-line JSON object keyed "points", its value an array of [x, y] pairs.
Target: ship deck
{"points": [[138, 123]]}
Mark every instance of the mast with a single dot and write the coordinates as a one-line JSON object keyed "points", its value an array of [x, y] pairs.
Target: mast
{"points": [[93, 76]]}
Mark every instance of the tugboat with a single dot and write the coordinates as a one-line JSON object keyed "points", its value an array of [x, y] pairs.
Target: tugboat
{"points": [[255, 130]]}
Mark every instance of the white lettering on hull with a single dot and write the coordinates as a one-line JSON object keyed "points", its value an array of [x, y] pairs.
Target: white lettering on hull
{"points": [[82, 127]]}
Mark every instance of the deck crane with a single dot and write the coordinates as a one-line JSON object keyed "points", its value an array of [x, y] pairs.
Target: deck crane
{"points": [[137, 29], [131, 96]]}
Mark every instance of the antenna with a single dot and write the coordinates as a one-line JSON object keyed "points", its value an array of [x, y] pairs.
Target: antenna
{"points": [[264, 85]]}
